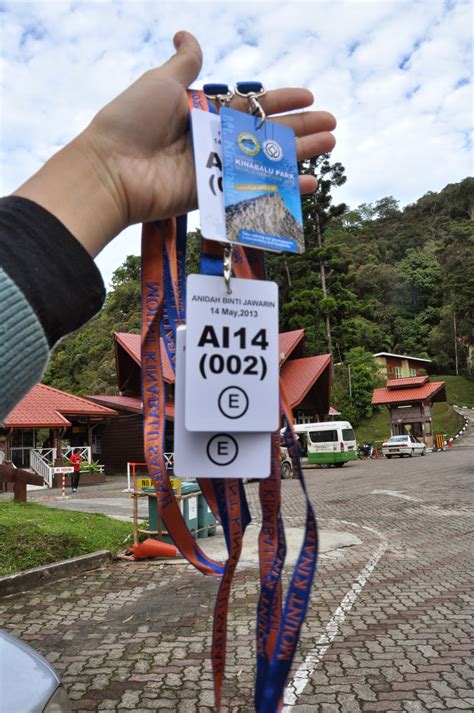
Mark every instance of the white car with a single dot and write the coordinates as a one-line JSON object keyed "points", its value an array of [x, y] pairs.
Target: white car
{"points": [[29, 684], [403, 446]]}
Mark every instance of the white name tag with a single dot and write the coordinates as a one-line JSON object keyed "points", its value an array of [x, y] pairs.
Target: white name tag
{"points": [[206, 132], [214, 455], [231, 355]]}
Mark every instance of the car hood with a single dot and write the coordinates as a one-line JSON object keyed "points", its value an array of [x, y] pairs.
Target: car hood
{"points": [[28, 680]]}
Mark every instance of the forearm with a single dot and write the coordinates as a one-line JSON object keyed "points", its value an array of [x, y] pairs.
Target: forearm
{"points": [[49, 286], [76, 188]]}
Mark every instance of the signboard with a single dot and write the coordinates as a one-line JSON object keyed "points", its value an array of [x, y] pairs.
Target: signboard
{"points": [[62, 469], [144, 483], [148, 483]]}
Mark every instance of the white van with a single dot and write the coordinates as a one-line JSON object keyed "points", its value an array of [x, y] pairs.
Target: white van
{"points": [[327, 442]]}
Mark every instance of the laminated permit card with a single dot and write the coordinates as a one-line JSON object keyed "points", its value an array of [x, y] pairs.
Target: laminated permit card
{"points": [[261, 190]]}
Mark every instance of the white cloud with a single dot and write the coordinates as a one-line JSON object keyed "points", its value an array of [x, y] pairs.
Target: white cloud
{"points": [[396, 74]]}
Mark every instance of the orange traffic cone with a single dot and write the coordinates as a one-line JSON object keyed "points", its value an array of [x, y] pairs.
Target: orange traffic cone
{"points": [[153, 548]]}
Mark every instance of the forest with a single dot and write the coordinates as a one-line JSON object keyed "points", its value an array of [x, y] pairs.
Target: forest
{"points": [[374, 278]]}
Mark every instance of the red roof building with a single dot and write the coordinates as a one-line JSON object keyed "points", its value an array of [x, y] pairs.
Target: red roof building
{"points": [[65, 416], [409, 403], [306, 380], [46, 407]]}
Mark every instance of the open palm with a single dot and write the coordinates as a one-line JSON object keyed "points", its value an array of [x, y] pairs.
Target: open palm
{"points": [[142, 137]]}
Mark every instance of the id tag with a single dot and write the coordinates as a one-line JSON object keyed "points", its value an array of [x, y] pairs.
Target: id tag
{"points": [[261, 188], [214, 455], [206, 131], [231, 355]]}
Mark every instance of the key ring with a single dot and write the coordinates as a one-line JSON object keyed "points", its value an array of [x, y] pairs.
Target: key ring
{"points": [[252, 91], [219, 93], [228, 267]]}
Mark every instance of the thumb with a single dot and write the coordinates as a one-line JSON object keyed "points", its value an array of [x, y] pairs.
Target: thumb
{"points": [[185, 65]]}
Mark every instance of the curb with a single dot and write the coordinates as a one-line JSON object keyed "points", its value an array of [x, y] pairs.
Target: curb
{"points": [[36, 576]]}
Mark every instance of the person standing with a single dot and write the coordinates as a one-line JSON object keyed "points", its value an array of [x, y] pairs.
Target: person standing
{"points": [[75, 460]]}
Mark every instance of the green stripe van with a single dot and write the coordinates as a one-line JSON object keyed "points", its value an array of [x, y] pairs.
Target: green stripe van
{"points": [[327, 443]]}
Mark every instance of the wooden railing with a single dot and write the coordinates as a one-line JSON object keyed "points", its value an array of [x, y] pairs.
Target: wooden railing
{"points": [[41, 465]]}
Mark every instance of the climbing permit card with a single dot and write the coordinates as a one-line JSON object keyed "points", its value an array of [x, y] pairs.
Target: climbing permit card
{"points": [[231, 355], [214, 455]]}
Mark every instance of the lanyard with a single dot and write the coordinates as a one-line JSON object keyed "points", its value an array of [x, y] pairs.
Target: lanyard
{"points": [[299, 589], [163, 309], [163, 300], [154, 238]]}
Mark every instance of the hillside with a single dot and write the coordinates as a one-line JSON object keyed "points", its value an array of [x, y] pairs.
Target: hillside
{"points": [[459, 389], [375, 277], [385, 278]]}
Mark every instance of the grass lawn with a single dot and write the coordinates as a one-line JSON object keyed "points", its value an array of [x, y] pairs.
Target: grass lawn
{"points": [[460, 389], [33, 535]]}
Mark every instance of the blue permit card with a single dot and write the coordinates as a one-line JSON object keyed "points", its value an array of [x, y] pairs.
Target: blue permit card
{"points": [[261, 191]]}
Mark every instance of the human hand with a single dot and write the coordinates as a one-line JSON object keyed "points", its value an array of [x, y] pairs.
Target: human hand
{"points": [[134, 162]]}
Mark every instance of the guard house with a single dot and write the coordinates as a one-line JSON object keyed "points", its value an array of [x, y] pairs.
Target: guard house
{"points": [[307, 383], [32, 434], [401, 366], [409, 404]]}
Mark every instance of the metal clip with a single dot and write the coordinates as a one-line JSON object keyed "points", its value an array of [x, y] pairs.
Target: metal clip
{"points": [[252, 91], [228, 267], [219, 93]]}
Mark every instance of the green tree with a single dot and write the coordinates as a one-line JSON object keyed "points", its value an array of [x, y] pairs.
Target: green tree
{"points": [[312, 285], [84, 362], [355, 380]]}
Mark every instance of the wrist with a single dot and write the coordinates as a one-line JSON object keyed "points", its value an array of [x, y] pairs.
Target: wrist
{"points": [[76, 187]]}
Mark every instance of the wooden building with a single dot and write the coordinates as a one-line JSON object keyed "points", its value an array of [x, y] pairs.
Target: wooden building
{"points": [[409, 405], [401, 366], [34, 432], [307, 382]]}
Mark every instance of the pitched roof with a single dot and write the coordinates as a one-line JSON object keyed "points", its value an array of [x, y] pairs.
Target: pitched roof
{"points": [[408, 395], [408, 381], [128, 403], [299, 375], [402, 356], [132, 345], [287, 342], [45, 407]]}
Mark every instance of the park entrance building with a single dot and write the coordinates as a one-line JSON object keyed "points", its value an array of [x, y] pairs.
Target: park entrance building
{"points": [[409, 403]]}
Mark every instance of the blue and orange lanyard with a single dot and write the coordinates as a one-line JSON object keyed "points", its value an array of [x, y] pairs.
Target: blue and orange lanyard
{"points": [[163, 309]]}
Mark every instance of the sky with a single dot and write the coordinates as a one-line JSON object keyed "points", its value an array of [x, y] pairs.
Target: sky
{"points": [[397, 75]]}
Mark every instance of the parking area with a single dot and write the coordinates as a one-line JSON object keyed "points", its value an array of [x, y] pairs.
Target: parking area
{"points": [[390, 621]]}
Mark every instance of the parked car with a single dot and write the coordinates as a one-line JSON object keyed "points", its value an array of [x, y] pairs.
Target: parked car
{"points": [[29, 683], [403, 446]]}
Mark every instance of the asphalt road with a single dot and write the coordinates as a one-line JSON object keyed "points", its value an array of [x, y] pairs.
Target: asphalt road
{"points": [[390, 621]]}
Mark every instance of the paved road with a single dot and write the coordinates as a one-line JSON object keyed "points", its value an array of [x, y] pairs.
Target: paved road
{"points": [[467, 438], [390, 622]]}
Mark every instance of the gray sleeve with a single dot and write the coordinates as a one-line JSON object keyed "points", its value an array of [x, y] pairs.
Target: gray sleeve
{"points": [[23, 346]]}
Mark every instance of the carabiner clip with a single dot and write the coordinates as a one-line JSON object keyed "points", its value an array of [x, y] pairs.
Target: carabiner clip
{"points": [[228, 267], [252, 91], [219, 93]]}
